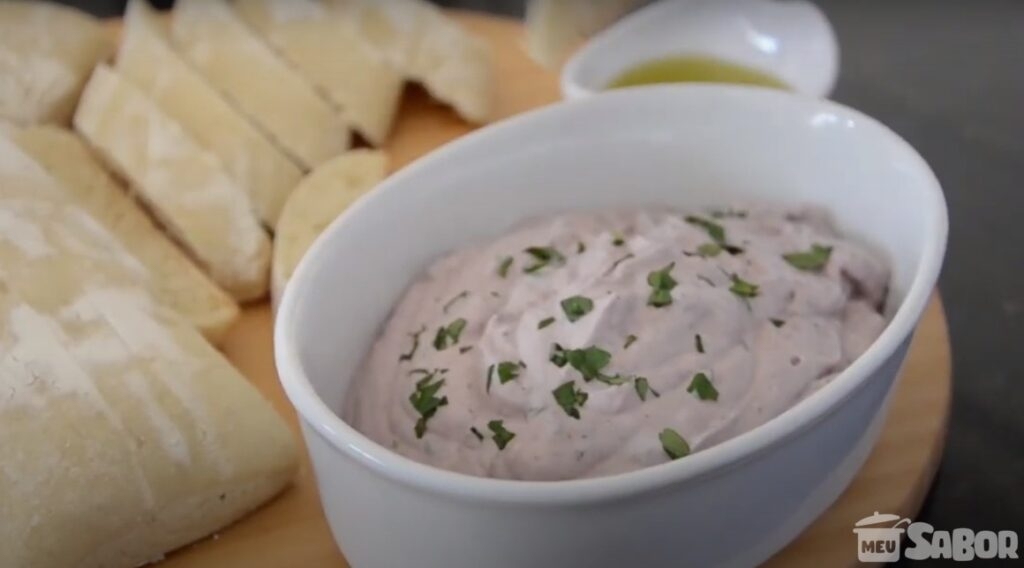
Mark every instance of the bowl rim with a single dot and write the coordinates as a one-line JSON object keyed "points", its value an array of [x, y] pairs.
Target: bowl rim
{"points": [[315, 413]]}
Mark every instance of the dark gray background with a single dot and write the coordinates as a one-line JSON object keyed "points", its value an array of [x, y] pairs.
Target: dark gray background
{"points": [[948, 75]]}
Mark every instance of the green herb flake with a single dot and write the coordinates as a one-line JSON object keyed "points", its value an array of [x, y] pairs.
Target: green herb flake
{"points": [[812, 260], [613, 380], [509, 371], [426, 402], [543, 256], [706, 280], [505, 264], [461, 295], [450, 332], [742, 288], [778, 322], [714, 230], [501, 436], [673, 444], [581, 248], [630, 340], [588, 361], [699, 343], [559, 356], [661, 283], [545, 322], [702, 387], [570, 398], [466, 349], [490, 377], [576, 307], [709, 250], [618, 240], [415, 345], [476, 433], [733, 249], [643, 388]]}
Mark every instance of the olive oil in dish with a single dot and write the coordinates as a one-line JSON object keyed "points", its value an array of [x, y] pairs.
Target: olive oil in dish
{"points": [[693, 69]]}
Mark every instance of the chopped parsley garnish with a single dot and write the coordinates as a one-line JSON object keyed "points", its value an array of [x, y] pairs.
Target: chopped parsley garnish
{"points": [[465, 349], [742, 288], [812, 260], [709, 250], [559, 356], [505, 264], [570, 398], [702, 387], [509, 371], [618, 240], [661, 283], [619, 261], [576, 307], [699, 343], [732, 249], [630, 340], [614, 380], [415, 345], [545, 322], [450, 332], [588, 361], [643, 388], [426, 402], [673, 444], [490, 377], [714, 230], [501, 436], [543, 256], [778, 322], [476, 433], [461, 295]]}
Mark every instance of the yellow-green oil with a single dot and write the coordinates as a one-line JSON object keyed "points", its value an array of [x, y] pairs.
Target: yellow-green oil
{"points": [[701, 69]]}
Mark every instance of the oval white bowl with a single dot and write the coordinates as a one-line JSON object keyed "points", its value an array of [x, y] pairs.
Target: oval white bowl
{"points": [[731, 505], [790, 39]]}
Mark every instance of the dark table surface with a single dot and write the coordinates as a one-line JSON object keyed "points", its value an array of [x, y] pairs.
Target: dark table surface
{"points": [[948, 75]]}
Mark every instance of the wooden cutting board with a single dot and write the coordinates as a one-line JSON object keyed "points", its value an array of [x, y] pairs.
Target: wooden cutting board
{"points": [[291, 531]]}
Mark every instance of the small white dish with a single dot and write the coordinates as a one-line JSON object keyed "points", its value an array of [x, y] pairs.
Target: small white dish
{"points": [[734, 504], [791, 40]]}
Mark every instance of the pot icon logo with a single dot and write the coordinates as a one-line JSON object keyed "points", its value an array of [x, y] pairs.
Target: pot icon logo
{"points": [[879, 543]]}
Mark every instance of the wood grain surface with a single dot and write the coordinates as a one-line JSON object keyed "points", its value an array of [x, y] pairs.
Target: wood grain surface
{"points": [[291, 530]]}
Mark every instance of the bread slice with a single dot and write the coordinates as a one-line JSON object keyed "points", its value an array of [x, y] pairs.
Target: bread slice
{"points": [[184, 185], [125, 434], [176, 281], [330, 55], [456, 67], [249, 157], [318, 200], [555, 27], [46, 54], [258, 82]]}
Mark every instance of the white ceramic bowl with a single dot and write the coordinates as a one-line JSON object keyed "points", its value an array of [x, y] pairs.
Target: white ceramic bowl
{"points": [[788, 39], [731, 505]]}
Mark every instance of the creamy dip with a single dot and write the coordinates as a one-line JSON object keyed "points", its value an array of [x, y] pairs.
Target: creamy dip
{"points": [[592, 344]]}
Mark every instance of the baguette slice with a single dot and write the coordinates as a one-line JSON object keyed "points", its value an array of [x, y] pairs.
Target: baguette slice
{"points": [[318, 200], [125, 434], [177, 282], [330, 55], [556, 27], [46, 54], [183, 184], [249, 157], [456, 67], [258, 82]]}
